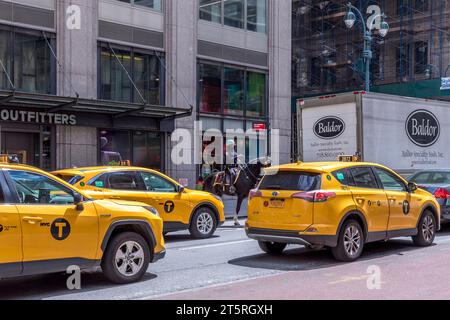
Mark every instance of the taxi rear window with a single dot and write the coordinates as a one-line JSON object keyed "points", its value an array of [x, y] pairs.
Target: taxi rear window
{"points": [[292, 181]]}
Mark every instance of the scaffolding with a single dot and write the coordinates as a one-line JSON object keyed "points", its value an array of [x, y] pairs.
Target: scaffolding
{"points": [[327, 56]]}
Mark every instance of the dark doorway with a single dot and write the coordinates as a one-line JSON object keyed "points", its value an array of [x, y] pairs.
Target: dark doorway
{"points": [[25, 145]]}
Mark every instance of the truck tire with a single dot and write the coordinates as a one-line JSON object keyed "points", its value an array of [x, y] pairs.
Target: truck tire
{"points": [[203, 224], [126, 258], [426, 230], [274, 248], [350, 242]]}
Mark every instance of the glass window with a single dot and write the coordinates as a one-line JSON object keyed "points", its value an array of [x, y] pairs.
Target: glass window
{"points": [[5, 56], [100, 181], [389, 181], [344, 177], [153, 4], [28, 61], [233, 91], [33, 188], [421, 57], [440, 178], [115, 84], [144, 69], [114, 147], [147, 149], [210, 87], [256, 94], [124, 181], [256, 15], [156, 183], [424, 177], [211, 10], [147, 78], [292, 181], [234, 13], [364, 178]]}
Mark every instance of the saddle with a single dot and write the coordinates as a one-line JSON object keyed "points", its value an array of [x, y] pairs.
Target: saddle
{"points": [[225, 180]]}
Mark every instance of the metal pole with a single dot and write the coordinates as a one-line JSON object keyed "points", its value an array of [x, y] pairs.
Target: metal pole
{"points": [[367, 54]]}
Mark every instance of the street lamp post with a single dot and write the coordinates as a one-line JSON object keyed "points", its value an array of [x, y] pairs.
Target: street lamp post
{"points": [[350, 19]]}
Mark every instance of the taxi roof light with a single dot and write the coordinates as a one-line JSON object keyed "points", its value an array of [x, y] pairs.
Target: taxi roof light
{"points": [[348, 158]]}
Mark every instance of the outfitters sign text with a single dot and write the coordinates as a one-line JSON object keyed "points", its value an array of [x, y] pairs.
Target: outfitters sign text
{"points": [[38, 117]]}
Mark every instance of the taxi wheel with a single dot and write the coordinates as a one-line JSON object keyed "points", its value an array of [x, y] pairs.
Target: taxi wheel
{"points": [[272, 247], [204, 224], [126, 259], [426, 230], [350, 243]]}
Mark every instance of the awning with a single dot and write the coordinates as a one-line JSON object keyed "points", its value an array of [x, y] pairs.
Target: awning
{"points": [[53, 104]]}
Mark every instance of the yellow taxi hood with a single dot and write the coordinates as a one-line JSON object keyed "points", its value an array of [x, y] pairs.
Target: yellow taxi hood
{"points": [[199, 193]]}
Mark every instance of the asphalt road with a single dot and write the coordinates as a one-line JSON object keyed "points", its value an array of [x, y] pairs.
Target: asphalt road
{"points": [[230, 266]]}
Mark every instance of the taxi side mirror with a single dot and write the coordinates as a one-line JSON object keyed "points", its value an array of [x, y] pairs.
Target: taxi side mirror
{"points": [[181, 189], [412, 187], [78, 201]]}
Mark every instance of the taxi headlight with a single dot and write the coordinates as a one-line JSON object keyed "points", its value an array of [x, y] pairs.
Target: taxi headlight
{"points": [[152, 210]]}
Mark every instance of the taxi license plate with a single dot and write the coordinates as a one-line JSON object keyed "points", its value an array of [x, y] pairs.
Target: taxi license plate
{"points": [[276, 204]]}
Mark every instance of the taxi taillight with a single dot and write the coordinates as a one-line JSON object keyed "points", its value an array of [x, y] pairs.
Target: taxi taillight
{"points": [[314, 196], [442, 194], [254, 194]]}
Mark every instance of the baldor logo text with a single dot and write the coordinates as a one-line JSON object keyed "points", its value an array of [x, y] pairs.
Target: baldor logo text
{"points": [[329, 127], [423, 128]]}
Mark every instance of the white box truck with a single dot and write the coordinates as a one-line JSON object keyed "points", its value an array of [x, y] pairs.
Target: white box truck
{"points": [[406, 134]]}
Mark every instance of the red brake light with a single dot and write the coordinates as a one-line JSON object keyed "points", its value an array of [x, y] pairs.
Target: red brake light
{"points": [[442, 194], [254, 194], [314, 196]]}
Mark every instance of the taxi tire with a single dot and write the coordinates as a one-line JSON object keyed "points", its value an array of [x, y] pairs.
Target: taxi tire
{"points": [[108, 262], [193, 230], [339, 252], [419, 239], [273, 248]]}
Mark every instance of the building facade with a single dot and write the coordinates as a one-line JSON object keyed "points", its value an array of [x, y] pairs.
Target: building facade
{"points": [[409, 61], [101, 82]]}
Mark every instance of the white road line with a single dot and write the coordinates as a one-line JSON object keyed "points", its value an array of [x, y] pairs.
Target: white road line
{"points": [[214, 245]]}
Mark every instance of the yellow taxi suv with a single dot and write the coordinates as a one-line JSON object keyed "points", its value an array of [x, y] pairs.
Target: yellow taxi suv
{"points": [[180, 208], [339, 205], [46, 226]]}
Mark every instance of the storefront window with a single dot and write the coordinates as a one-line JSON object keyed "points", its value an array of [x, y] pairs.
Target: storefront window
{"points": [[114, 147], [234, 13], [28, 62], [210, 84], [211, 10], [144, 69], [233, 91], [256, 15], [256, 94], [140, 148], [147, 149]]}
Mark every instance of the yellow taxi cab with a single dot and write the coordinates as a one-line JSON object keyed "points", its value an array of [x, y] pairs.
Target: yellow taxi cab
{"points": [[180, 208], [46, 226], [341, 205]]}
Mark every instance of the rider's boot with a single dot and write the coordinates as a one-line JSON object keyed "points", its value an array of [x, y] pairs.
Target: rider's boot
{"points": [[236, 222]]}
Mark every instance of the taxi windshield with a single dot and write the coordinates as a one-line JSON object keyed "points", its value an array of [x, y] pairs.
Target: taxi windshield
{"points": [[34, 188], [291, 181]]}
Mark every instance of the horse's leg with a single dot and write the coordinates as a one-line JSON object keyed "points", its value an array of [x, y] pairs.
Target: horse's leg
{"points": [[238, 208]]}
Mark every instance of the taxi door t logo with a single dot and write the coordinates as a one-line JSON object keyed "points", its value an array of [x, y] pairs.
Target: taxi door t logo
{"points": [[60, 229], [73, 17]]}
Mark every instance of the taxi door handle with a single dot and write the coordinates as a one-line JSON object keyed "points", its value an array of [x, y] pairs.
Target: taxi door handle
{"points": [[115, 197], [32, 220]]}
